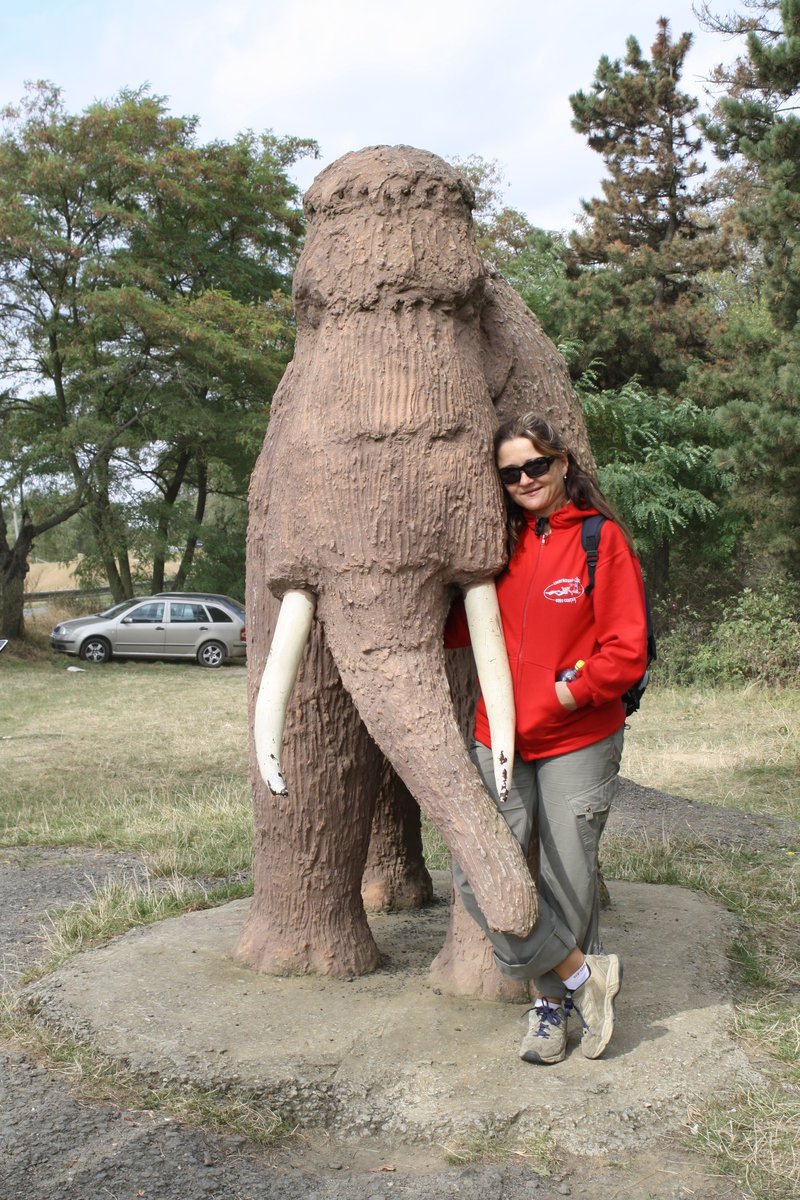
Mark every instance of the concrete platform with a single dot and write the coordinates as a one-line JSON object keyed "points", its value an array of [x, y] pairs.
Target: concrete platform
{"points": [[386, 1055]]}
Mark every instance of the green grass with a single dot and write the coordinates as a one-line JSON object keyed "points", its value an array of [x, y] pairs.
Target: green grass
{"points": [[120, 905], [151, 759]]}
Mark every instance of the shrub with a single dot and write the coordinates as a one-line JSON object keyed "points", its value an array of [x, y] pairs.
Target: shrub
{"points": [[756, 639]]}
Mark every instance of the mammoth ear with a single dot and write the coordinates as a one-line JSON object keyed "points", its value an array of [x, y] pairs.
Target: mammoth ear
{"points": [[289, 640], [494, 675]]}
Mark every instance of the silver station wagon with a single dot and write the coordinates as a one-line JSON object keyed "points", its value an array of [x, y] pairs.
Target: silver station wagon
{"points": [[198, 625]]}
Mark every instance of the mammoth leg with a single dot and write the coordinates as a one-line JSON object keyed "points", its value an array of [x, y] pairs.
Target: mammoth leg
{"points": [[465, 965], [403, 697], [395, 875], [312, 840]]}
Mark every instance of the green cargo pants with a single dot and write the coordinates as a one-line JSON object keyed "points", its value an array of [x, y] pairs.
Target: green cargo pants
{"points": [[568, 796]]}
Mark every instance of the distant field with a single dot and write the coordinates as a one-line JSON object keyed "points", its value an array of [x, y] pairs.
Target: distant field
{"points": [[143, 756], [60, 577], [51, 577]]}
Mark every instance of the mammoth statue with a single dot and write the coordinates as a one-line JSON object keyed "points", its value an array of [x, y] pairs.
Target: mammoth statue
{"points": [[373, 503]]}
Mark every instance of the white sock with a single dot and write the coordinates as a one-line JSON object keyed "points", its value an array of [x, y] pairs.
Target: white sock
{"points": [[578, 978]]}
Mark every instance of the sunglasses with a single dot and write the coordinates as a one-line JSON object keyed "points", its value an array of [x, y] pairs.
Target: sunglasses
{"points": [[534, 468]]}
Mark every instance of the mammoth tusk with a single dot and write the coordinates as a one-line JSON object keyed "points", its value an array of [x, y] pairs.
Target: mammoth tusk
{"points": [[494, 675], [288, 643]]}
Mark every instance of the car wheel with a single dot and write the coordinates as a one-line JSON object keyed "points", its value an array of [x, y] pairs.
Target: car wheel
{"points": [[96, 650], [212, 654]]}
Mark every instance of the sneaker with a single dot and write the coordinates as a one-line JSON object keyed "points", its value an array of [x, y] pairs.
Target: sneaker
{"points": [[594, 1002], [546, 1039]]}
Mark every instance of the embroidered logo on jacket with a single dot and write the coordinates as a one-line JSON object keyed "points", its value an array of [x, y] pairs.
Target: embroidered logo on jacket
{"points": [[564, 591]]}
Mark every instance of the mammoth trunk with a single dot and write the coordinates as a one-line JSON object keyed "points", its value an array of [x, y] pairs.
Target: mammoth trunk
{"points": [[289, 640], [402, 695]]}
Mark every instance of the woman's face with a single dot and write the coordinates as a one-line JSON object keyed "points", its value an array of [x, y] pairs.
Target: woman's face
{"points": [[541, 495]]}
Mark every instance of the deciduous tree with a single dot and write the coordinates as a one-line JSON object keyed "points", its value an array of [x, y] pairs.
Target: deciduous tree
{"points": [[139, 337]]}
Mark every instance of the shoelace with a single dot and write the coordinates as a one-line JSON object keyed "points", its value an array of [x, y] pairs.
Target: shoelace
{"points": [[548, 1015], [571, 1006]]}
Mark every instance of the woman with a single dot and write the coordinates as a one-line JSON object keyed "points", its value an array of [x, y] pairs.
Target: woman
{"points": [[569, 730]]}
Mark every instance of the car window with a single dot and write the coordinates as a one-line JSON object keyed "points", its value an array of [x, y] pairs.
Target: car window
{"points": [[218, 614], [147, 613], [117, 610], [183, 611]]}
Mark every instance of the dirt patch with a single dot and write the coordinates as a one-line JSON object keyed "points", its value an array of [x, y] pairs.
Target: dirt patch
{"points": [[645, 814]]}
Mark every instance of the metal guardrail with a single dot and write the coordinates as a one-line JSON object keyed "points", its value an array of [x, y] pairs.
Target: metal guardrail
{"points": [[64, 593]]}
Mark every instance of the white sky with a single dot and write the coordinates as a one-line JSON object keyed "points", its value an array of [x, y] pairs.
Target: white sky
{"points": [[457, 77]]}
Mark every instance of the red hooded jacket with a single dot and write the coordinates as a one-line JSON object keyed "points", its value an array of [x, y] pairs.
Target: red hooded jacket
{"points": [[550, 623]]}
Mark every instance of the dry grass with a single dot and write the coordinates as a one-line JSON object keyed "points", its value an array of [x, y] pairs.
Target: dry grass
{"points": [[51, 577], [739, 748], [494, 1146], [776, 1027], [61, 577], [123, 904], [151, 726], [129, 756], [761, 888], [755, 1137]]}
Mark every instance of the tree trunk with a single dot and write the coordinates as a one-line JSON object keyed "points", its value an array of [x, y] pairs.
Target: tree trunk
{"points": [[170, 497], [14, 565], [109, 540], [13, 569], [187, 558], [656, 569], [12, 598]]}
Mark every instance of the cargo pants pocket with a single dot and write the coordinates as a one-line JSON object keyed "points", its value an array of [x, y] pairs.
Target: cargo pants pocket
{"points": [[591, 809]]}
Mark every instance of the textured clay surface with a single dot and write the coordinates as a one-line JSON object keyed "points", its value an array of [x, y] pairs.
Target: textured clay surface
{"points": [[376, 491]]}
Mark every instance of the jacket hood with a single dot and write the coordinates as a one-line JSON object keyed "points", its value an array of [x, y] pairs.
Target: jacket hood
{"points": [[564, 517]]}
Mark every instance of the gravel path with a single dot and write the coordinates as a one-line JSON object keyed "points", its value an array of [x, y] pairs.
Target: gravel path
{"points": [[54, 1143]]}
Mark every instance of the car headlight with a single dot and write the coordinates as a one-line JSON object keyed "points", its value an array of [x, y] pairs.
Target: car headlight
{"points": [[59, 629]]}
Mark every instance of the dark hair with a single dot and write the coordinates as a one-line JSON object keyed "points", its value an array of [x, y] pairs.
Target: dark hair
{"points": [[581, 487]]}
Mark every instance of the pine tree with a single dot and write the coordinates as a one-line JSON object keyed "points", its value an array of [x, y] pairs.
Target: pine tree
{"points": [[755, 127], [635, 301]]}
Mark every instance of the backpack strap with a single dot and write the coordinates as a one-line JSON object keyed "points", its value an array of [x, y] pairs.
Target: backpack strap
{"points": [[590, 540]]}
